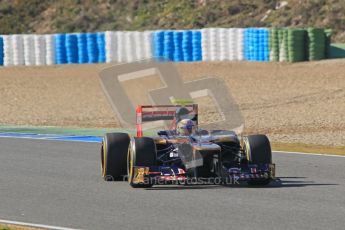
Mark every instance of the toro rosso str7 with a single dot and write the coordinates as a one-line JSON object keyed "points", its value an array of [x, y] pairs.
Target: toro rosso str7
{"points": [[183, 153]]}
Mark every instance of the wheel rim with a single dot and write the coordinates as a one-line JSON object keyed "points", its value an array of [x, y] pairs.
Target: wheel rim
{"points": [[246, 148], [103, 158], [130, 163]]}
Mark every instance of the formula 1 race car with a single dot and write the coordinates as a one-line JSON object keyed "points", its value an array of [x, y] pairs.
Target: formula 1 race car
{"points": [[184, 154]]}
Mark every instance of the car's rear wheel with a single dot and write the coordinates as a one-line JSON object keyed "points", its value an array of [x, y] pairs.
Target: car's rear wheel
{"points": [[141, 152], [114, 156], [258, 151]]}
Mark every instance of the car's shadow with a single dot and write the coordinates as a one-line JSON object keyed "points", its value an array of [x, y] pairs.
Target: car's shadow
{"points": [[280, 182]]}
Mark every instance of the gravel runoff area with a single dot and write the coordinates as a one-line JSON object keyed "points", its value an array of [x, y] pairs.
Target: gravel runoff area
{"points": [[292, 103]]}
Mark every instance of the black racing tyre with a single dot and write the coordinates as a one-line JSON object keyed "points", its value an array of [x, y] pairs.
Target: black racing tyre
{"points": [[258, 151], [114, 156], [141, 152]]}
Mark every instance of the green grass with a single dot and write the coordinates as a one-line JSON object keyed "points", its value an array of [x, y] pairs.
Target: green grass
{"points": [[309, 148], [5, 228], [16, 227]]}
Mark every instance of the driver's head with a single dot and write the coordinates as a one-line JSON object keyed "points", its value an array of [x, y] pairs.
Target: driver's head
{"points": [[181, 113], [185, 127]]}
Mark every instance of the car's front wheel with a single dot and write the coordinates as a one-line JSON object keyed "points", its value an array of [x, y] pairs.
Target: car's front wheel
{"points": [[114, 150], [258, 151], [141, 155]]}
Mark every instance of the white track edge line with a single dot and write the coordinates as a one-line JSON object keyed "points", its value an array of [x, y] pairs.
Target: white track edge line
{"points": [[25, 224], [48, 139], [312, 154]]}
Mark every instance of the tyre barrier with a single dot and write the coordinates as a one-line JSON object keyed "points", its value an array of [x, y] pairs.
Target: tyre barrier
{"points": [[29, 49], [256, 44], [60, 49], [168, 46], [205, 45], [214, 44], [210, 44], [40, 50], [196, 46], [71, 44], [18, 50], [8, 60], [120, 44], [147, 40], [187, 49], [224, 38], [177, 45], [91, 46], [50, 49], [328, 34], [130, 47], [288, 45], [1, 51], [283, 45], [110, 46], [158, 44], [274, 44], [222, 44], [137, 48], [316, 44], [239, 40], [82, 49], [101, 47], [296, 45]]}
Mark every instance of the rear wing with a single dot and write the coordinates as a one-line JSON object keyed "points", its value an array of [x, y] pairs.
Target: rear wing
{"points": [[152, 113]]}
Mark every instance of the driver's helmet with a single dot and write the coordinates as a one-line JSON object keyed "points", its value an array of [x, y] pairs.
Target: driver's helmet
{"points": [[185, 127], [181, 113]]}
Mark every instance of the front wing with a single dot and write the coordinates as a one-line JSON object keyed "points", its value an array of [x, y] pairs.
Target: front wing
{"points": [[161, 175]]}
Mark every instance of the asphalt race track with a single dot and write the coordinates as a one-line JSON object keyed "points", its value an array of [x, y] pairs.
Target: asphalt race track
{"points": [[59, 183]]}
